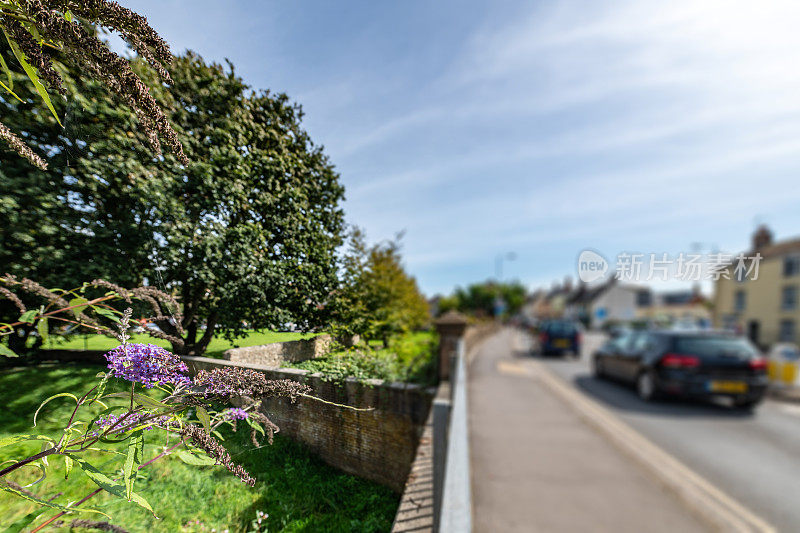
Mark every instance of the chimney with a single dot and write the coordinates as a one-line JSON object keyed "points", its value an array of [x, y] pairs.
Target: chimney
{"points": [[762, 238]]}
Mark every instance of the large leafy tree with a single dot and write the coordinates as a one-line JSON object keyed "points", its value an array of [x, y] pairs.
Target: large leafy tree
{"points": [[245, 235], [378, 297]]}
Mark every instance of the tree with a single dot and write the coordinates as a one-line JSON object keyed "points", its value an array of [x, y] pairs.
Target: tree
{"points": [[245, 234], [378, 298], [480, 298]]}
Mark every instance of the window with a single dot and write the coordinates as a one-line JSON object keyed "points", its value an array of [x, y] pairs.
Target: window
{"points": [[786, 333], [791, 265], [641, 343], [789, 298], [714, 345], [739, 301]]}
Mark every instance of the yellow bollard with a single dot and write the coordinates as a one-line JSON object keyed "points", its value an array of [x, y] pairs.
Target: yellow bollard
{"points": [[772, 370], [789, 372]]}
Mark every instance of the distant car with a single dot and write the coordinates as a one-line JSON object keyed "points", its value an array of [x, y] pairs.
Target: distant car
{"points": [[558, 337], [698, 364], [784, 351]]}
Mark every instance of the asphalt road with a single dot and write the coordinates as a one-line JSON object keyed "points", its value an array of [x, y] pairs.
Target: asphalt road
{"points": [[754, 457]]}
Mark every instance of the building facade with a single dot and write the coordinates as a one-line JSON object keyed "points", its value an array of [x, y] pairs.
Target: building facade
{"points": [[766, 309]]}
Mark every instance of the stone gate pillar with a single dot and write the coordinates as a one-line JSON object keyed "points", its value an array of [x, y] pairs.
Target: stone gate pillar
{"points": [[451, 327]]}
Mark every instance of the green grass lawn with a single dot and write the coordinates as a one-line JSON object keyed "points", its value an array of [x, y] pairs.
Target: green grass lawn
{"points": [[215, 348], [409, 358], [296, 490]]}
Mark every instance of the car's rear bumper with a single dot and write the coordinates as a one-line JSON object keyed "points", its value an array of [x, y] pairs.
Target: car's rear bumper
{"points": [[561, 350], [755, 387]]}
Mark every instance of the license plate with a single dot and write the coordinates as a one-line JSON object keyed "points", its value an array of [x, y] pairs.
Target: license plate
{"points": [[728, 386], [561, 343]]}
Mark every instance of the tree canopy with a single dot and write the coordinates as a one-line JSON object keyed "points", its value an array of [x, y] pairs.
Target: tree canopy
{"points": [[481, 298], [245, 235], [378, 298]]}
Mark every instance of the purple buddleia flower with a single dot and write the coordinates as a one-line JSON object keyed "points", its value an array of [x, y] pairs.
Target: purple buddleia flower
{"points": [[147, 364], [235, 413]]}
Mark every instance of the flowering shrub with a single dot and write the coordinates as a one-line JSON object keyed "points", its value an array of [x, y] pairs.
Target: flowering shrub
{"points": [[31, 25], [189, 410]]}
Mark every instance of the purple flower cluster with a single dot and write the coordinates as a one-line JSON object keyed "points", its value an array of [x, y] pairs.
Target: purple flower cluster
{"points": [[235, 413], [147, 364]]}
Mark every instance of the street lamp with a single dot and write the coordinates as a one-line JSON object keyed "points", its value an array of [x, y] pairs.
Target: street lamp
{"points": [[498, 264]]}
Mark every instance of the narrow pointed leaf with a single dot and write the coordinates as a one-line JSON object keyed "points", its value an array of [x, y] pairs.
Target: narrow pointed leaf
{"points": [[194, 459], [28, 316], [33, 76], [13, 439], [42, 328], [8, 352], [79, 302], [109, 485], [132, 461], [36, 499], [202, 416], [53, 397]]}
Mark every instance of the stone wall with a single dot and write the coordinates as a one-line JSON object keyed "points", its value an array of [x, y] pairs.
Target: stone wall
{"points": [[379, 444], [278, 353]]}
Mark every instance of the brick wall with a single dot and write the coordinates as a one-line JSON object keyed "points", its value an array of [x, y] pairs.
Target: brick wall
{"points": [[277, 353], [379, 444]]}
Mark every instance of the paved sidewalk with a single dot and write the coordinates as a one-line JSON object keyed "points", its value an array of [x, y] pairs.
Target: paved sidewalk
{"points": [[536, 466]]}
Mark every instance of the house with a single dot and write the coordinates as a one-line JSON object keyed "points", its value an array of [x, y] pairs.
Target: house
{"points": [[685, 306], [766, 309], [609, 301]]}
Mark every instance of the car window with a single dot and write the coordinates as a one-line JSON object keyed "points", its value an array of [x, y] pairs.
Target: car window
{"points": [[561, 328], [641, 342], [620, 343], [709, 346]]}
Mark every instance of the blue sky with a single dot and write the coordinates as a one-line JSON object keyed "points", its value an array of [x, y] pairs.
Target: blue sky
{"points": [[540, 128]]}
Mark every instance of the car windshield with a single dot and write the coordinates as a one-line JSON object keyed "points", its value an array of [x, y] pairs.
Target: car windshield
{"points": [[709, 346], [561, 328]]}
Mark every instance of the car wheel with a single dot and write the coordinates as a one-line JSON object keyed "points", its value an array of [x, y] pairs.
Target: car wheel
{"points": [[597, 368], [646, 386]]}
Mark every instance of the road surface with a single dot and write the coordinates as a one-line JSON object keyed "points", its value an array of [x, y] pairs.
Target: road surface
{"points": [[536, 466], [753, 457]]}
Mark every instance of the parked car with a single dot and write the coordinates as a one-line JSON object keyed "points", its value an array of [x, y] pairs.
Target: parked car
{"points": [[698, 364], [559, 337]]}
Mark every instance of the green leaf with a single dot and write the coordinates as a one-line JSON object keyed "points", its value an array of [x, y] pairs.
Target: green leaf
{"points": [[28, 316], [255, 425], [46, 503], [67, 466], [79, 302], [141, 399], [9, 75], [132, 461], [42, 328], [32, 75], [202, 416], [102, 311], [9, 79], [194, 459], [5, 350], [109, 485], [68, 15], [53, 397], [26, 520], [13, 439]]}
